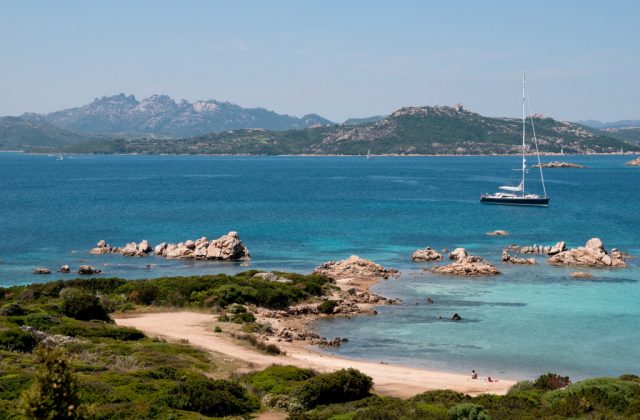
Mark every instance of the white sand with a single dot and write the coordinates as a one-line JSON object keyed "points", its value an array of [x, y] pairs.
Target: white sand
{"points": [[397, 381]]}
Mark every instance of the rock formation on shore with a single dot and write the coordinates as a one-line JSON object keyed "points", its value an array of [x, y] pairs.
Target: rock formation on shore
{"points": [[353, 266], [539, 249], [87, 269], [227, 247], [634, 162], [558, 165], [507, 258], [469, 265], [498, 233], [426, 254], [593, 254]]}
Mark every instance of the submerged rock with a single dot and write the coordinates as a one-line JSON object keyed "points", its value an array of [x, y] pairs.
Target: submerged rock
{"points": [[87, 269], [468, 266], [353, 266], [427, 254], [41, 270], [593, 254], [498, 233], [581, 275]]}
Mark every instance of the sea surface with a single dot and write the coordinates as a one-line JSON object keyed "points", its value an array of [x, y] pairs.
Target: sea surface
{"points": [[294, 213]]}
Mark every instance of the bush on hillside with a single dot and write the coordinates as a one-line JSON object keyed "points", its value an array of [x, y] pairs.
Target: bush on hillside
{"points": [[14, 339], [216, 398], [144, 293], [468, 411], [340, 386], [82, 304], [551, 381], [327, 306]]}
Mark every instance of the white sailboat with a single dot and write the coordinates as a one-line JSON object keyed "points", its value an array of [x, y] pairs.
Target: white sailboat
{"points": [[516, 195]]}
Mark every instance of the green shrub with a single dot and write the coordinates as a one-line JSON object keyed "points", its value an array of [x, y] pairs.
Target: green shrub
{"points": [[521, 386], [217, 329], [446, 397], [14, 339], [82, 304], [95, 329], [40, 321], [468, 411], [278, 379], [144, 293], [327, 306], [12, 309], [551, 381], [243, 317], [210, 397], [340, 386], [53, 394]]}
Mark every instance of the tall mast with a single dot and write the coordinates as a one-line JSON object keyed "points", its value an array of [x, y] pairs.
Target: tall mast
{"points": [[524, 162]]}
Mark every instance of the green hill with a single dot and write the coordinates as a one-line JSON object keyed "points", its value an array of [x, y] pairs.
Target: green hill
{"points": [[412, 130], [18, 134]]}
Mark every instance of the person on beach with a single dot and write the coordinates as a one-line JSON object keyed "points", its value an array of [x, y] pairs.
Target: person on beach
{"points": [[429, 300], [474, 375], [489, 379]]}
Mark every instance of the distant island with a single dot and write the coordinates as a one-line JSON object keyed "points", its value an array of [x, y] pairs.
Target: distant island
{"points": [[121, 124], [443, 130]]}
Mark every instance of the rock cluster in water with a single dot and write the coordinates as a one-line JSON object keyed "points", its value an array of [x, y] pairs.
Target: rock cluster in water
{"points": [[508, 258], [558, 165], [539, 249], [227, 247], [426, 254], [593, 254], [634, 162], [498, 232], [466, 265], [354, 266]]}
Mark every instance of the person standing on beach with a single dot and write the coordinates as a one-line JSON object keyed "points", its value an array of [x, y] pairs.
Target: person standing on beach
{"points": [[474, 375]]}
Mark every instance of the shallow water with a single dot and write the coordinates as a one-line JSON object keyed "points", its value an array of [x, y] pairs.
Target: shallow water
{"points": [[296, 212]]}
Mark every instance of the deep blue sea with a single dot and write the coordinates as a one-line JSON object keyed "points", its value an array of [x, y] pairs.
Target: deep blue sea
{"points": [[296, 212]]}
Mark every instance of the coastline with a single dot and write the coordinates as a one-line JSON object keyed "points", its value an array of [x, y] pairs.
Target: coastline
{"points": [[393, 380]]}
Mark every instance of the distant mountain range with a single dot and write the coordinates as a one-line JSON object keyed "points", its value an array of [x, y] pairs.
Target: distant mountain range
{"points": [[161, 115], [612, 124], [411, 130]]}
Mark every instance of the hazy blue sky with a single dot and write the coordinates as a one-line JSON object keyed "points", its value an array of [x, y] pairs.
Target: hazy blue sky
{"points": [[337, 58]]}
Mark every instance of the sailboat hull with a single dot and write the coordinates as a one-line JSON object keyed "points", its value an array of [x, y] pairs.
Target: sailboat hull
{"points": [[516, 201]]}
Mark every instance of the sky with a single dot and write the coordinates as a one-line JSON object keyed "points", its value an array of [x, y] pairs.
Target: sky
{"points": [[339, 59]]}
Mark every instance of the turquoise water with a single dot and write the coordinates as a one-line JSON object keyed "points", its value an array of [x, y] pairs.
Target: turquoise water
{"points": [[296, 212]]}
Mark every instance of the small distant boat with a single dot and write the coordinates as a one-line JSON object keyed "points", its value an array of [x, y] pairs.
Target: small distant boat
{"points": [[60, 157], [516, 195], [368, 155]]}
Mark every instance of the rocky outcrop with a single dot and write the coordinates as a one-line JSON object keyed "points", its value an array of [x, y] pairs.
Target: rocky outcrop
{"points": [[539, 249], [558, 165], [458, 254], [634, 162], [46, 339], [272, 277], [427, 254], [593, 254], [353, 266], [508, 258], [227, 247], [87, 269], [468, 266], [64, 269], [498, 233], [41, 270], [133, 249], [103, 248]]}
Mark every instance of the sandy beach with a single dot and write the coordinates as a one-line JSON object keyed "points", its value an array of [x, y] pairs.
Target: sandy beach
{"points": [[393, 380]]}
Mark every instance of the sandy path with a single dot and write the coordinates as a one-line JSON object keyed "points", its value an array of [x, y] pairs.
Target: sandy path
{"points": [[398, 381]]}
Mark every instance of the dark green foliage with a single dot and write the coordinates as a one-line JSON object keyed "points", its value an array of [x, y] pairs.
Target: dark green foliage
{"points": [[551, 381], [53, 395], [340, 386], [443, 396], [468, 411], [82, 304], [14, 339], [217, 329], [327, 306], [144, 293], [12, 309], [278, 379], [96, 330], [243, 317], [212, 397]]}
